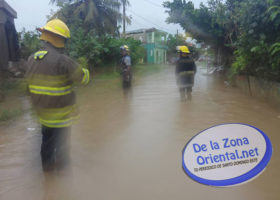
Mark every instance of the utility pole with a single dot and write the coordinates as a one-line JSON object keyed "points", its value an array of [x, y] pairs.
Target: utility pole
{"points": [[177, 35], [124, 16]]}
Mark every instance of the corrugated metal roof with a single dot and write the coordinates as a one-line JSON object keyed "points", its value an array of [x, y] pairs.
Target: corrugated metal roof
{"points": [[144, 30]]}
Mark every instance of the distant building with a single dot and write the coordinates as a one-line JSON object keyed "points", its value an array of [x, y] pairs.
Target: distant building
{"points": [[155, 43], [9, 48]]}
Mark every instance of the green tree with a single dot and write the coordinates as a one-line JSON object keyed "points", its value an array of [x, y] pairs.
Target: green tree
{"points": [[173, 41], [102, 16], [242, 32], [101, 50], [29, 43], [207, 23], [258, 45]]}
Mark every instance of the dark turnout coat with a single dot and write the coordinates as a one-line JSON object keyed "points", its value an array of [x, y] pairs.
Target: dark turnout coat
{"points": [[185, 71], [50, 78]]}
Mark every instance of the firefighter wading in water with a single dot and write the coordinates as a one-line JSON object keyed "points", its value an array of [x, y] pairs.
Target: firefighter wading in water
{"points": [[126, 67], [185, 72], [50, 78]]}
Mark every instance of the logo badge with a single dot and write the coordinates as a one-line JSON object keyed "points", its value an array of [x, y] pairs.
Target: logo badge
{"points": [[227, 155]]}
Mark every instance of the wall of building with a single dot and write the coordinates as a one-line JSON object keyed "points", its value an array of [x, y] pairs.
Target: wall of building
{"points": [[4, 54], [9, 47], [138, 36], [264, 90], [150, 52], [155, 45], [160, 56]]}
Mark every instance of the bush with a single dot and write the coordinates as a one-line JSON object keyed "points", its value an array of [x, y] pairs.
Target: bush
{"points": [[101, 51], [29, 43], [87, 48], [245, 29], [258, 46]]}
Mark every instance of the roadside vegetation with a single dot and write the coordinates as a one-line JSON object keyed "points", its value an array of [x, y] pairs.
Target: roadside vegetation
{"points": [[95, 37], [243, 33], [12, 91], [179, 40]]}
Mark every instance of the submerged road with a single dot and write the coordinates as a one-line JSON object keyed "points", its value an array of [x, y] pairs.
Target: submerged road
{"points": [[131, 148]]}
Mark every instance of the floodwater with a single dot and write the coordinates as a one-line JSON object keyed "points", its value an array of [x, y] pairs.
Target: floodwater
{"points": [[130, 148]]}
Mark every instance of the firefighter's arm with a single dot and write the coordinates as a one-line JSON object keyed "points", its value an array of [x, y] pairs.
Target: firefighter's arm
{"points": [[76, 72]]}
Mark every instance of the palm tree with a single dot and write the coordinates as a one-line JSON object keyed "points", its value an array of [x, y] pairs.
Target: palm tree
{"points": [[102, 16]]}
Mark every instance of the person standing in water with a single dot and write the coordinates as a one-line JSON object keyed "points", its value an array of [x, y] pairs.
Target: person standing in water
{"points": [[126, 69], [50, 77], [185, 72]]}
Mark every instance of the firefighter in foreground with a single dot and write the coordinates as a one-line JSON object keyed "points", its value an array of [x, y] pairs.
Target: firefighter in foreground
{"points": [[126, 67], [50, 78], [185, 72]]}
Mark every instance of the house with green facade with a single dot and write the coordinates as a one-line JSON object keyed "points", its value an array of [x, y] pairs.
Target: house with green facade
{"points": [[155, 43]]}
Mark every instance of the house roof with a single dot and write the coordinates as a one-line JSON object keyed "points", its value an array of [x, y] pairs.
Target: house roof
{"points": [[144, 30], [5, 6]]}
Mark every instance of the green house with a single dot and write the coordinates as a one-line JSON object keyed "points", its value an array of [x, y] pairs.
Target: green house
{"points": [[155, 43]]}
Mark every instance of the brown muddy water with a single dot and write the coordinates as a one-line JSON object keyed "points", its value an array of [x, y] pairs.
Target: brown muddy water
{"points": [[131, 148]]}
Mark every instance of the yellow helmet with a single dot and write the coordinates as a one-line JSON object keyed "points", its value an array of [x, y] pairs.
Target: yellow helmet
{"points": [[125, 48], [57, 27], [183, 49]]}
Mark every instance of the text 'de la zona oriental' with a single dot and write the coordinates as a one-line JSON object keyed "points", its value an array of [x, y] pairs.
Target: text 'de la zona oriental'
{"points": [[231, 151]]}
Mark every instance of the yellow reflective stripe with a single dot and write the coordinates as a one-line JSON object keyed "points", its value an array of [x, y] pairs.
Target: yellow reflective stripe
{"points": [[57, 113], [50, 88], [40, 54], [51, 91], [57, 110], [59, 29], [186, 73], [59, 123], [86, 76]]}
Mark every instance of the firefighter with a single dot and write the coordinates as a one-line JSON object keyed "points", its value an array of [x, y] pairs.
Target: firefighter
{"points": [[50, 76], [126, 67], [185, 72]]}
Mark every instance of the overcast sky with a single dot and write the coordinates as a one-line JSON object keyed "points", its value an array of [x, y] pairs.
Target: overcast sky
{"points": [[145, 14], [151, 13]]}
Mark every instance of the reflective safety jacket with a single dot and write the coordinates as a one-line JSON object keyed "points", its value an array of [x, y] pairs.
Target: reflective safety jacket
{"points": [[50, 77], [185, 64], [125, 62]]}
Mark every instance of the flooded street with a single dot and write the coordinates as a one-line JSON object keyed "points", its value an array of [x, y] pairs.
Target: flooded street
{"points": [[130, 148]]}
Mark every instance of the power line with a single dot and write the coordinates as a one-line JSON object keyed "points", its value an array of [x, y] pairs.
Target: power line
{"points": [[139, 23], [153, 3], [150, 21]]}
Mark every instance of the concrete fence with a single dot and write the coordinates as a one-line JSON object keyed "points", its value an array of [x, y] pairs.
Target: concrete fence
{"points": [[264, 90]]}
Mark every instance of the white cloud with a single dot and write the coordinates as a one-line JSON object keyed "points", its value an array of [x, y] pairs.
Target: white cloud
{"points": [[151, 13], [145, 13], [31, 13]]}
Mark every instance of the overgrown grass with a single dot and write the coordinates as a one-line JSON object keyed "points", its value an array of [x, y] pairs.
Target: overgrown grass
{"points": [[11, 90], [6, 115], [12, 86]]}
